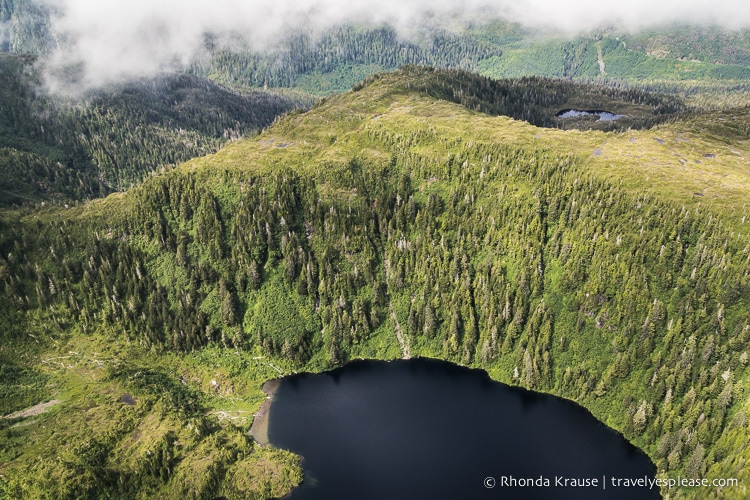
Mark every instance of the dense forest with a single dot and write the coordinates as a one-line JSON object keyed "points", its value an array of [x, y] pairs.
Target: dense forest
{"points": [[386, 222], [26, 27], [77, 149], [346, 53], [425, 212], [336, 59]]}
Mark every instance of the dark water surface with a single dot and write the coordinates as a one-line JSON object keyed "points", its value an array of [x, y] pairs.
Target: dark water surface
{"points": [[426, 429]]}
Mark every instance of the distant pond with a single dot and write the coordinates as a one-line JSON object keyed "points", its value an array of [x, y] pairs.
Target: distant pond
{"points": [[427, 429], [604, 116]]}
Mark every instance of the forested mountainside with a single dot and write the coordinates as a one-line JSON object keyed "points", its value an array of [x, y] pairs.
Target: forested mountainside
{"points": [[27, 27], [336, 59], [609, 268], [58, 148], [325, 61], [340, 58], [693, 43]]}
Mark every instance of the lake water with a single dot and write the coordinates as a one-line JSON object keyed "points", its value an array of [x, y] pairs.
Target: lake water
{"points": [[427, 429], [604, 116]]}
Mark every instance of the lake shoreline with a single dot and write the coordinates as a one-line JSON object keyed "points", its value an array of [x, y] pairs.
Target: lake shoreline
{"points": [[358, 411], [259, 428]]}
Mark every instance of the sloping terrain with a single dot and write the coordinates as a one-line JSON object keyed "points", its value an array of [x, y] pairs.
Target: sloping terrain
{"points": [[611, 268], [55, 148]]}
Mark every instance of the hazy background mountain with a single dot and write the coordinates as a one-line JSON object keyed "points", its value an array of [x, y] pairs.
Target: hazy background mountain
{"points": [[108, 139], [326, 46]]}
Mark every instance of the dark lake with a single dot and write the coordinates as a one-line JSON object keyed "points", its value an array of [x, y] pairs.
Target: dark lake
{"points": [[427, 429]]}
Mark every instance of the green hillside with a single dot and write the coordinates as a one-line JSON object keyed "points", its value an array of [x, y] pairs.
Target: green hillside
{"points": [[56, 148], [619, 56], [336, 59], [610, 268]]}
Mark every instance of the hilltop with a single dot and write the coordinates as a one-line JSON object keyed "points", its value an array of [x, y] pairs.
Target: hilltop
{"points": [[707, 149]]}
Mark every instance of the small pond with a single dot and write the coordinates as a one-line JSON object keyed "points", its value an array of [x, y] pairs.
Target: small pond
{"points": [[427, 429], [604, 116]]}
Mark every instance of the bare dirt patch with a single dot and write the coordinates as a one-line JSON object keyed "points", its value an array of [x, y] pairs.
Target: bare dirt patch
{"points": [[34, 410]]}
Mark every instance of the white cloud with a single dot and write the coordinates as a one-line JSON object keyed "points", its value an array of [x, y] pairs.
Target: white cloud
{"points": [[111, 40], [634, 14]]}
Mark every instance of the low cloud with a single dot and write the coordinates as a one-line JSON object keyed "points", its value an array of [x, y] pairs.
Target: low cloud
{"points": [[107, 41], [579, 15]]}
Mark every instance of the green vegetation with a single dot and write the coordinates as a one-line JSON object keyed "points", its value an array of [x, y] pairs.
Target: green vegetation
{"points": [[539, 100], [610, 268], [161, 442], [57, 149], [696, 43], [607, 55], [337, 59], [334, 60], [28, 27], [322, 63]]}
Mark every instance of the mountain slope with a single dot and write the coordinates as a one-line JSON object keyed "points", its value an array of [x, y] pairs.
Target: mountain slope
{"points": [[326, 61], [334, 60], [58, 148], [598, 276]]}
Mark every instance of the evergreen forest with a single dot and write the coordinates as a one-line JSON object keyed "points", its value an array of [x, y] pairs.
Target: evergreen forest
{"points": [[169, 244], [407, 217]]}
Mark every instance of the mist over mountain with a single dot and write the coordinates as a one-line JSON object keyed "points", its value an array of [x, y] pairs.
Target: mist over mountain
{"points": [[56, 149], [91, 44]]}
